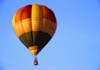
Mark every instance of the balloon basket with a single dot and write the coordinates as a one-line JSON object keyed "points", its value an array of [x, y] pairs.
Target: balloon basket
{"points": [[35, 61]]}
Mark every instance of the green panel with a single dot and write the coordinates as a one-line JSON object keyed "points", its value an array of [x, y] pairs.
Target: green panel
{"points": [[37, 38]]}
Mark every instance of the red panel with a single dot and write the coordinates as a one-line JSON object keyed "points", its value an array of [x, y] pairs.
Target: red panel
{"points": [[48, 14], [26, 12], [18, 14], [22, 13]]}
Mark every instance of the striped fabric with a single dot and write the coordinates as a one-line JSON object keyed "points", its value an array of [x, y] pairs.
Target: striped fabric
{"points": [[34, 26]]}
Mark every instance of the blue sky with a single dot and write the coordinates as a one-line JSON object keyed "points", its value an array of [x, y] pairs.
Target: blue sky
{"points": [[75, 45]]}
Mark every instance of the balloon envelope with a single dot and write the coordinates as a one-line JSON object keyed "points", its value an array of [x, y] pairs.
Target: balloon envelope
{"points": [[34, 25]]}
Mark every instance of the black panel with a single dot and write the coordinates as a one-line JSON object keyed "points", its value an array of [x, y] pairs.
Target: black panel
{"points": [[37, 38]]}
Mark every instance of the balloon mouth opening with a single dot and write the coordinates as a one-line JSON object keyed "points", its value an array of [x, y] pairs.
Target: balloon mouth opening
{"points": [[34, 50]]}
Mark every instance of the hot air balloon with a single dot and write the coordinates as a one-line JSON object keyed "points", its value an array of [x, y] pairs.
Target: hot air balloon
{"points": [[34, 25]]}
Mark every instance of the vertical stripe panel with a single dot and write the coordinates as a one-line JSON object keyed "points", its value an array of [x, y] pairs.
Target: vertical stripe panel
{"points": [[26, 23], [49, 21], [36, 16]]}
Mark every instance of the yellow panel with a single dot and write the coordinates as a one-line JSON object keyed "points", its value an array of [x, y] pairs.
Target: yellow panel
{"points": [[27, 24], [36, 11], [18, 28], [36, 17], [36, 24]]}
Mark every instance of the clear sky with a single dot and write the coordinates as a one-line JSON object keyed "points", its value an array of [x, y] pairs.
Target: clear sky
{"points": [[75, 45]]}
